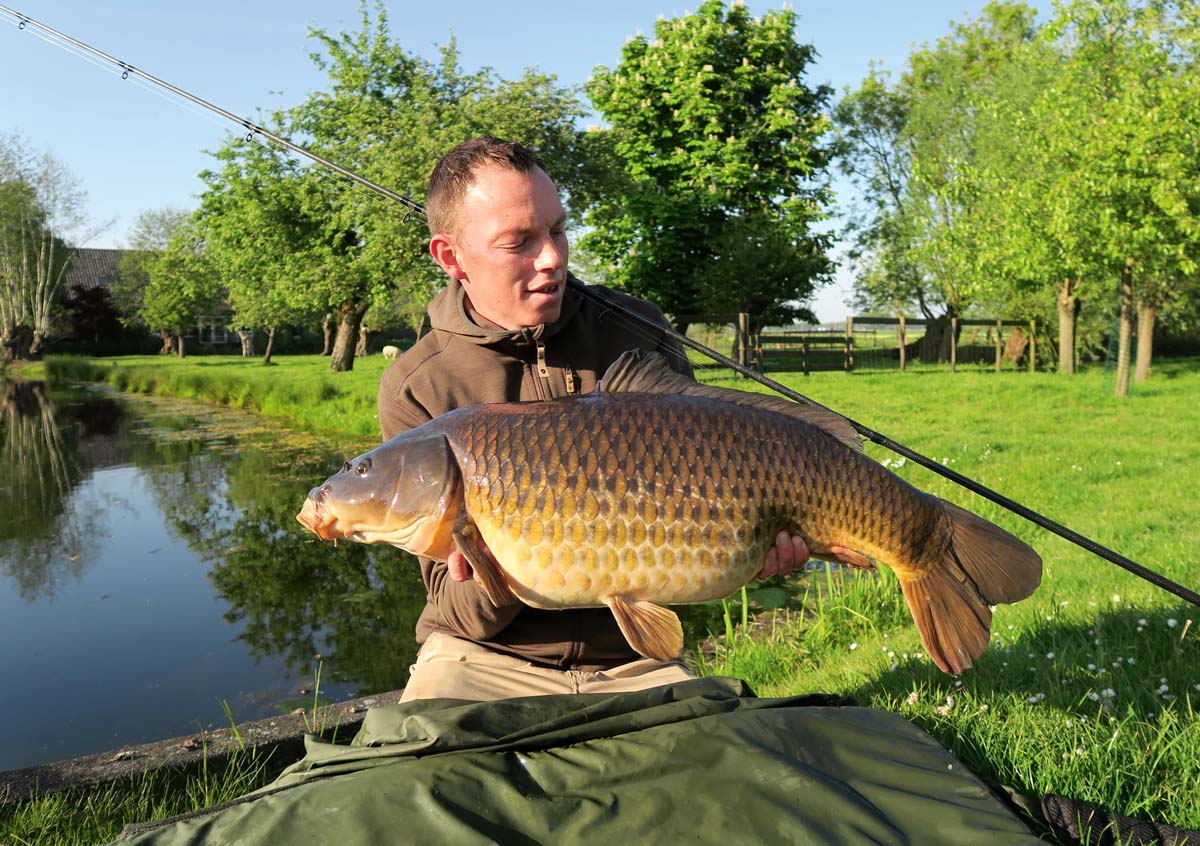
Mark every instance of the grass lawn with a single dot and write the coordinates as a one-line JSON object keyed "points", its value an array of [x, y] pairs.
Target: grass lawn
{"points": [[1090, 689]]}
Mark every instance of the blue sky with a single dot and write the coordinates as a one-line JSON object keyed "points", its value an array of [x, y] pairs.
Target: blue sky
{"points": [[134, 150]]}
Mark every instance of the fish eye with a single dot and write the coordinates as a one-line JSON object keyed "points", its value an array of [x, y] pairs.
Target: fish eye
{"points": [[362, 468]]}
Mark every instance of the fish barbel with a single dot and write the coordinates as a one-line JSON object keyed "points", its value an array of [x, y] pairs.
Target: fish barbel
{"points": [[656, 490]]}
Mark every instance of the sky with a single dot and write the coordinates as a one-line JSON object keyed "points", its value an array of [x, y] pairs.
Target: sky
{"points": [[135, 150]]}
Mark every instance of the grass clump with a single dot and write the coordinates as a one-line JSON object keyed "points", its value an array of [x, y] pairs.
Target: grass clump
{"points": [[82, 816]]}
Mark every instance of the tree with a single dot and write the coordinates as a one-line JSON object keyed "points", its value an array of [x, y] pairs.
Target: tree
{"points": [[182, 285], [925, 153], [149, 237], [260, 236], [388, 115], [715, 135], [41, 212], [1111, 157]]}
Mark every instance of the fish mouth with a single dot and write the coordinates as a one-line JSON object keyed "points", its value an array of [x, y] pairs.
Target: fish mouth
{"points": [[315, 517]]}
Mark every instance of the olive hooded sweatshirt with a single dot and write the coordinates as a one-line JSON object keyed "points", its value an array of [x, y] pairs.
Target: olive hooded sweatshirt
{"points": [[463, 361]]}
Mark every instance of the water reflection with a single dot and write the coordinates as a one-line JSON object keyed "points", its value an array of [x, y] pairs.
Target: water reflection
{"points": [[44, 538], [151, 567]]}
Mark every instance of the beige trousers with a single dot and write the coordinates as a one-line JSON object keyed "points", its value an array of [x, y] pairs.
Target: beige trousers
{"points": [[454, 668]]}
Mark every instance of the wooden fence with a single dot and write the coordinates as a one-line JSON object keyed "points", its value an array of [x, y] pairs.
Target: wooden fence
{"points": [[876, 342]]}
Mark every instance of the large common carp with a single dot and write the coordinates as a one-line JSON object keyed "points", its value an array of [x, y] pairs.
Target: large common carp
{"points": [[656, 490]]}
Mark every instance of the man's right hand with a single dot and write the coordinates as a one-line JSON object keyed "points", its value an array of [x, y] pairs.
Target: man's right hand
{"points": [[459, 567]]}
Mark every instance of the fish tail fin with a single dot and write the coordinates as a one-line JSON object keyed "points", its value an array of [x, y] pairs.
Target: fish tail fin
{"points": [[949, 600]]}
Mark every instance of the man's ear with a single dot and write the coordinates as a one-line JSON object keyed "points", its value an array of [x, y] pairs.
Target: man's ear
{"points": [[445, 253]]}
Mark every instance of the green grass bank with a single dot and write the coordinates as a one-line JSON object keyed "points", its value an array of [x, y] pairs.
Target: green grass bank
{"points": [[299, 390], [1091, 688]]}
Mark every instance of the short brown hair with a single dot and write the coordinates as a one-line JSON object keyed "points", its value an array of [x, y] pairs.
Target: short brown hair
{"points": [[455, 173]]}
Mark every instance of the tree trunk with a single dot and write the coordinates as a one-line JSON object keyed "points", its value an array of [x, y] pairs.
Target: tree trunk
{"points": [[1068, 311], [327, 331], [347, 336], [16, 343], [168, 342], [364, 341], [179, 350], [934, 347], [1145, 341], [246, 336], [1125, 332], [270, 343]]}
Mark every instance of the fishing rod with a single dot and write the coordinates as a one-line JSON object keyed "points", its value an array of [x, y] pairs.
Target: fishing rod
{"points": [[252, 129], [649, 325]]}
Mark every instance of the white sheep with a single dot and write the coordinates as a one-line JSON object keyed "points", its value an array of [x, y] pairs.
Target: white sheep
{"points": [[391, 352]]}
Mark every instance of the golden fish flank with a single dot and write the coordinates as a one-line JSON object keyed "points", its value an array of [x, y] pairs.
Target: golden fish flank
{"points": [[657, 490], [656, 509]]}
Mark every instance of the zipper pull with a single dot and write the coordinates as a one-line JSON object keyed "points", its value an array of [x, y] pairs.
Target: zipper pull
{"points": [[543, 370], [570, 381]]}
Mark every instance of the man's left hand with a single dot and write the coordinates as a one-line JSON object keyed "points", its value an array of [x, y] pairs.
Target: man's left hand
{"points": [[788, 553]]}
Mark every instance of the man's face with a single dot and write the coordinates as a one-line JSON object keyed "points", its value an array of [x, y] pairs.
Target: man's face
{"points": [[510, 247]]}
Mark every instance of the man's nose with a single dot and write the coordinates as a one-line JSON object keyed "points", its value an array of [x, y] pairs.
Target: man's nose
{"points": [[551, 256]]}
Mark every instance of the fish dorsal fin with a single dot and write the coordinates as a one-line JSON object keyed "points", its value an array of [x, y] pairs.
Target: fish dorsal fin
{"points": [[641, 372]]}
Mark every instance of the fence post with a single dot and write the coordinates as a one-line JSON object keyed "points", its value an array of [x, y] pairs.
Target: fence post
{"points": [[849, 361], [1032, 346], [743, 339], [999, 347], [903, 342], [953, 344], [804, 355]]}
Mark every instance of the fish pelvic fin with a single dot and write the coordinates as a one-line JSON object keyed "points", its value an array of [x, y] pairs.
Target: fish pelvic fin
{"points": [[641, 372], [652, 630], [981, 566], [487, 572]]}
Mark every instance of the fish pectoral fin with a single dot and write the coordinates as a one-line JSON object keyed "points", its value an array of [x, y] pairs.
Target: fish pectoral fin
{"points": [[487, 572], [652, 630], [842, 555]]}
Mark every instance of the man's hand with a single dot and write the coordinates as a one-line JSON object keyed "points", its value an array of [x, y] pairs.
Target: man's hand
{"points": [[788, 553], [459, 567]]}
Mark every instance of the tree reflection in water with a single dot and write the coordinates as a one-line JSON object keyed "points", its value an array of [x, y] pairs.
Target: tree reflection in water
{"points": [[229, 486], [296, 598], [45, 536]]}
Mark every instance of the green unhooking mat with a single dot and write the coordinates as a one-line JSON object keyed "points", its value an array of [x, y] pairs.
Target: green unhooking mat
{"points": [[701, 762]]}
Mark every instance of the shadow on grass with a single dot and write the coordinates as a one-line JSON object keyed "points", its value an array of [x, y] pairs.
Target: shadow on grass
{"points": [[1121, 660]]}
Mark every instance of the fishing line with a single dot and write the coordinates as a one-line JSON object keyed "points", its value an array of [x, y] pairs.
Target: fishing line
{"points": [[647, 327], [135, 80]]}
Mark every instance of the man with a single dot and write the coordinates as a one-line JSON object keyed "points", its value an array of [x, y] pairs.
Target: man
{"points": [[507, 328]]}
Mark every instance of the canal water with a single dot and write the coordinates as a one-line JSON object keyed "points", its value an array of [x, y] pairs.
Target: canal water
{"points": [[153, 576]]}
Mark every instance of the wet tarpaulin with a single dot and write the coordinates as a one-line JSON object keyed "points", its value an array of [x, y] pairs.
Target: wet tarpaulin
{"points": [[701, 762]]}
